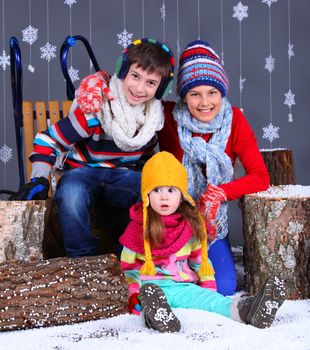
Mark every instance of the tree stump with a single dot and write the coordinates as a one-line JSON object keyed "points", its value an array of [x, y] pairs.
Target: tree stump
{"points": [[276, 226], [60, 291], [280, 166], [22, 226]]}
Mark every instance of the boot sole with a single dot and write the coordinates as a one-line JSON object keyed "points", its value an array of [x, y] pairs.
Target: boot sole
{"points": [[156, 310], [267, 303]]}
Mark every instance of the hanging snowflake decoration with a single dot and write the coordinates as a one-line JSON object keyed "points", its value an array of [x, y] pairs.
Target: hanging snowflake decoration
{"points": [[289, 99], [269, 63], [6, 153], [124, 38], [290, 50], [241, 83], [69, 2], [163, 12], [74, 74], [4, 60], [240, 11], [48, 51], [271, 132], [268, 2], [30, 34]]}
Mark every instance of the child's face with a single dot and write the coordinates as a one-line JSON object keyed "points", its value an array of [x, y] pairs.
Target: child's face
{"points": [[165, 200], [139, 85], [204, 102]]}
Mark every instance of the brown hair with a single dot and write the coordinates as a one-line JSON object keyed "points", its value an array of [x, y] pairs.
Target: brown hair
{"points": [[155, 228], [151, 58]]}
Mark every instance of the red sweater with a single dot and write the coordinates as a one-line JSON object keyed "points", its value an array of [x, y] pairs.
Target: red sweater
{"points": [[241, 144]]}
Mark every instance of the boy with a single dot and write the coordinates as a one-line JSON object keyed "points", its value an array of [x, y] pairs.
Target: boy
{"points": [[98, 152]]}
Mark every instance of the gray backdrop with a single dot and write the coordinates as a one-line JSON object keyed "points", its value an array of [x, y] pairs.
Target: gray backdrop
{"points": [[261, 29]]}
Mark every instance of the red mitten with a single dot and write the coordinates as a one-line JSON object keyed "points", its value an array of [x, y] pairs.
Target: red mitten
{"points": [[92, 90], [209, 203], [134, 306]]}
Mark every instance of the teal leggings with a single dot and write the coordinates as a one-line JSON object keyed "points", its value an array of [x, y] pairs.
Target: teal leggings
{"points": [[192, 296]]}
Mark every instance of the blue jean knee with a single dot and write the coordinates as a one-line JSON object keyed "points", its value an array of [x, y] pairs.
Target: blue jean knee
{"points": [[76, 194]]}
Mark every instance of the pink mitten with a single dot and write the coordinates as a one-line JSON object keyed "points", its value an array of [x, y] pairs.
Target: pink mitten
{"points": [[92, 90], [209, 204]]}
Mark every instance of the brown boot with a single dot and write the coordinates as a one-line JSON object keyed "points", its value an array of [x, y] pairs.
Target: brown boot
{"points": [[260, 310]]}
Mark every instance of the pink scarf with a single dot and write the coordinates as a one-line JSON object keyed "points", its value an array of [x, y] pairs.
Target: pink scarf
{"points": [[177, 233]]}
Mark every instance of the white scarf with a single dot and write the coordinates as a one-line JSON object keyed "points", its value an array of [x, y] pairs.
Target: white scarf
{"points": [[131, 127]]}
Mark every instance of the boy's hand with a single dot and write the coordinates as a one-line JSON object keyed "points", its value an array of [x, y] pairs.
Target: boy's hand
{"points": [[134, 305], [37, 188], [93, 89], [208, 205]]}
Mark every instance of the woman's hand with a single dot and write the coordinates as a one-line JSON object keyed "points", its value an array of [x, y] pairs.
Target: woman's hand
{"points": [[92, 92], [208, 204]]}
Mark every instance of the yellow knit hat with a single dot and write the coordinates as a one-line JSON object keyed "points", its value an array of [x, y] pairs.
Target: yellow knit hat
{"points": [[163, 169]]}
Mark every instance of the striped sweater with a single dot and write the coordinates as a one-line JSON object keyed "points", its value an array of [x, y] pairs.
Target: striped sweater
{"points": [[181, 266], [79, 140]]}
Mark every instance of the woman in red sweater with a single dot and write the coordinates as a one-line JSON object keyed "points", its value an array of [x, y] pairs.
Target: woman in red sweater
{"points": [[207, 134]]}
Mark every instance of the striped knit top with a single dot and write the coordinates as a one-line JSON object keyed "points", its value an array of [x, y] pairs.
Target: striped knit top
{"points": [[181, 266], [79, 140]]}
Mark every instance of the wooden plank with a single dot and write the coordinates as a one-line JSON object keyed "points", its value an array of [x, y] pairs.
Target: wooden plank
{"points": [[53, 107], [28, 134], [66, 105], [41, 115]]}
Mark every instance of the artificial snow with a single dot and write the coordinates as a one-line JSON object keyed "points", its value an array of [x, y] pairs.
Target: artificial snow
{"points": [[200, 330], [284, 192]]}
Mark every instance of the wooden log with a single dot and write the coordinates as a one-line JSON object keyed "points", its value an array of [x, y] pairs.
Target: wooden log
{"points": [[280, 166], [276, 226], [60, 291], [22, 226]]}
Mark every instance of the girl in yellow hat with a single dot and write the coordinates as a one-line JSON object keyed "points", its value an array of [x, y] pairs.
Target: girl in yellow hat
{"points": [[165, 256]]}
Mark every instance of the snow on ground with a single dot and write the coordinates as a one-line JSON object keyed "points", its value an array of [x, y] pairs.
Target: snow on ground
{"points": [[200, 330]]}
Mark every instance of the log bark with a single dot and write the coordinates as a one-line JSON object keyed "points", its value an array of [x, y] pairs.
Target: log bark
{"points": [[60, 291], [21, 229], [280, 166], [276, 226]]}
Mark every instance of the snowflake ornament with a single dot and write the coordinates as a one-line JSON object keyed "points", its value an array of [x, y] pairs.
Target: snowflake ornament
{"points": [[69, 2], [269, 63], [290, 50], [30, 34], [163, 12], [48, 51], [271, 132], [240, 11], [241, 82], [74, 74], [4, 60], [6, 153], [289, 99], [124, 38], [268, 2]]}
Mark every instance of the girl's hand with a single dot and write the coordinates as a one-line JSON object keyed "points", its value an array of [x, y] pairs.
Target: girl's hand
{"points": [[208, 205], [134, 306], [92, 92]]}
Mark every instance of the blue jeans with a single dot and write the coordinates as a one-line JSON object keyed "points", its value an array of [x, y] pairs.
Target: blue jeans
{"points": [[76, 192], [222, 260]]}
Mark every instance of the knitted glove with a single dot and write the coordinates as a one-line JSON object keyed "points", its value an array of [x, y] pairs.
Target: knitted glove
{"points": [[37, 188], [209, 203], [134, 306], [93, 89]]}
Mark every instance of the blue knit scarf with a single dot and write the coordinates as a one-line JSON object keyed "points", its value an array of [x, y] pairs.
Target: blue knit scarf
{"points": [[198, 152]]}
